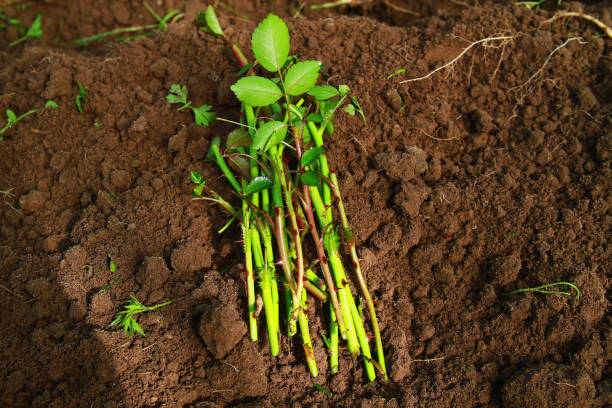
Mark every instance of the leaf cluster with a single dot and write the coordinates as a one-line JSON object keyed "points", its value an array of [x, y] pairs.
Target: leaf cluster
{"points": [[34, 31], [179, 94], [126, 317], [12, 118]]}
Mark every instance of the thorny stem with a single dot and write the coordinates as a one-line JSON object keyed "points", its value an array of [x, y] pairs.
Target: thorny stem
{"points": [[336, 266], [306, 341], [307, 205], [248, 264], [333, 340], [350, 239], [352, 315]]}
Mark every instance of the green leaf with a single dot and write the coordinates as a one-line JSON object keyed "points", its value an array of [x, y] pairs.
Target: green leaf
{"points": [[174, 98], [302, 77], [315, 117], [51, 105], [195, 177], [270, 43], [35, 30], [244, 69], [203, 116], [198, 189], [241, 165], [350, 109], [359, 110], [269, 134], [311, 155], [256, 91], [323, 92], [322, 389], [213, 22], [177, 94], [310, 178], [238, 138], [343, 89], [12, 118], [259, 183]]}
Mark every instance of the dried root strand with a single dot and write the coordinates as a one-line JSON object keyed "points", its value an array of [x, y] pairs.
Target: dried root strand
{"points": [[562, 14], [484, 41]]}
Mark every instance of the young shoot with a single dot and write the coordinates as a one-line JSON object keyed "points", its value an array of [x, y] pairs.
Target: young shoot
{"points": [[34, 31], [12, 119], [178, 94], [80, 98], [544, 289], [51, 105], [162, 25], [112, 267], [131, 308]]}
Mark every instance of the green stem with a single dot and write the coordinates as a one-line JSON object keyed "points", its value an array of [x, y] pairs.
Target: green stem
{"points": [[363, 340], [266, 289], [350, 239], [333, 340], [226, 170], [331, 247], [248, 264], [306, 341], [10, 124]]}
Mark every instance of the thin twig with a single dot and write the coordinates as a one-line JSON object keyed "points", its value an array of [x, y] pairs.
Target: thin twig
{"points": [[433, 137], [461, 54], [401, 9], [231, 365], [541, 69], [561, 14], [11, 292], [428, 360]]}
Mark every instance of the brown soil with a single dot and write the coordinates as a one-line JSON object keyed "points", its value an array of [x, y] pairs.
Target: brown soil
{"points": [[462, 187]]}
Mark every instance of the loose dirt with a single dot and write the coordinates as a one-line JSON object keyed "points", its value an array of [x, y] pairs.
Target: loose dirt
{"points": [[476, 181]]}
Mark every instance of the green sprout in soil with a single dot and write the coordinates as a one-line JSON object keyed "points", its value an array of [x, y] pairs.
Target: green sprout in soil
{"points": [[543, 289], [51, 105], [535, 4], [276, 163], [126, 317], [162, 25], [12, 119], [112, 267], [80, 97], [202, 115], [34, 31], [6, 21]]}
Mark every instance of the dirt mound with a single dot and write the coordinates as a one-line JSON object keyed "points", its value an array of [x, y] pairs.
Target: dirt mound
{"points": [[486, 177]]}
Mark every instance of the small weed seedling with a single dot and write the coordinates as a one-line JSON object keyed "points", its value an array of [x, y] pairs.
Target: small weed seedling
{"points": [[51, 105], [543, 289], [162, 25], [12, 119], [276, 162], [34, 31], [130, 310], [112, 267], [80, 98], [6, 21], [178, 94], [536, 4]]}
